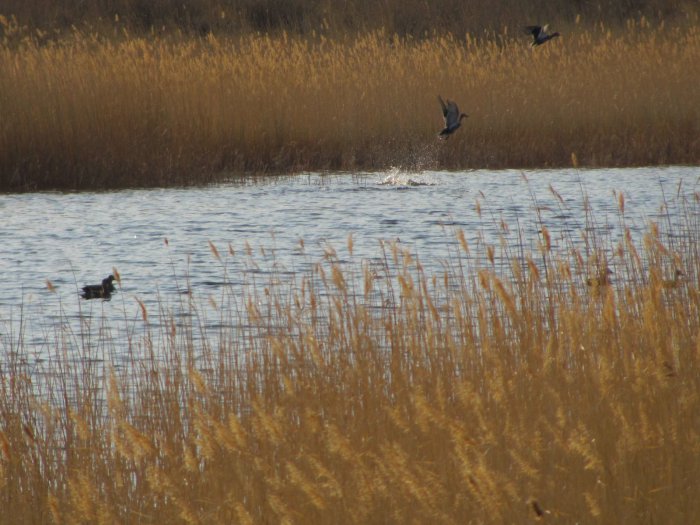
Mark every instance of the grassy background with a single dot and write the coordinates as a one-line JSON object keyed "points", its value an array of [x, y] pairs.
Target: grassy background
{"points": [[379, 395], [303, 17], [90, 112], [146, 93]]}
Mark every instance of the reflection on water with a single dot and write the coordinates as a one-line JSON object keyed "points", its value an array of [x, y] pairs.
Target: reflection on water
{"points": [[211, 243]]}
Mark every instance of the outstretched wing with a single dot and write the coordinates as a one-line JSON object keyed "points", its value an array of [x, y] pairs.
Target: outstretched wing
{"points": [[533, 30], [444, 108]]}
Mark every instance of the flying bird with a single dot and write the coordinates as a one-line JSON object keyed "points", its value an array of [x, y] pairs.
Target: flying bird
{"points": [[453, 118], [539, 34], [99, 291]]}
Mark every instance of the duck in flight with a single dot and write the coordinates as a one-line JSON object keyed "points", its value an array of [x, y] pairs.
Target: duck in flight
{"points": [[453, 118], [99, 291], [540, 35]]}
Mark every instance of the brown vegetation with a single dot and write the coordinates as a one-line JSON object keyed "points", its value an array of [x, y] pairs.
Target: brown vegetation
{"points": [[384, 396], [333, 18], [92, 113]]}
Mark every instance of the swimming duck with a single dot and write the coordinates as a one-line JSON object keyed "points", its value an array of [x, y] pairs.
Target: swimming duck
{"points": [[99, 291], [539, 34], [678, 278], [453, 118]]}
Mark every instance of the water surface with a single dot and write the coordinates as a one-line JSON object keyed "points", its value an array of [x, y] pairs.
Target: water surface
{"points": [[77, 238]]}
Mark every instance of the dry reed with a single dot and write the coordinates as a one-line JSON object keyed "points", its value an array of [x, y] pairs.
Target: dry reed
{"points": [[404, 17], [384, 396], [85, 112]]}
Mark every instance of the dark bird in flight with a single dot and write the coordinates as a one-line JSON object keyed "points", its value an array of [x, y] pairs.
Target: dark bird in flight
{"points": [[453, 118], [539, 34], [99, 291]]}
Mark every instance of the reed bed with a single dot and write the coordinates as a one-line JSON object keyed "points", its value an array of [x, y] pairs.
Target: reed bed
{"points": [[383, 394], [404, 17], [89, 112]]}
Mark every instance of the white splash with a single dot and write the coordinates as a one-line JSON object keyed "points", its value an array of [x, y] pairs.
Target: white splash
{"points": [[399, 177]]}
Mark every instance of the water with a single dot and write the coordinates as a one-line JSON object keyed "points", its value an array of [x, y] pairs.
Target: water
{"points": [[77, 238]]}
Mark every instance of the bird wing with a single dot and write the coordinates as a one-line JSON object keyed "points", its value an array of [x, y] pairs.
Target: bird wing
{"points": [[452, 115], [544, 29], [444, 107], [533, 30]]}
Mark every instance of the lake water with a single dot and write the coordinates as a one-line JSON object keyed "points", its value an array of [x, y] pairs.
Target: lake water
{"points": [[77, 238]]}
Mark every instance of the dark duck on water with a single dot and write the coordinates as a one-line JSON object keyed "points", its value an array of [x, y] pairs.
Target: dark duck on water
{"points": [[99, 291]]}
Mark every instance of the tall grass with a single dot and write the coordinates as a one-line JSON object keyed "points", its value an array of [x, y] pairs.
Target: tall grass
{"points": [[404, 17], [384, 395], [93, 113]]}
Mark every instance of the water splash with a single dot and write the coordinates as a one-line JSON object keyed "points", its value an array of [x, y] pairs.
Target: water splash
{"points": [[400, 177]]}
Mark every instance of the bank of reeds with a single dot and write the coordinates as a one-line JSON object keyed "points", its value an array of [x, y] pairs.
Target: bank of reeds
{"points": [[91, 113], [302, 17], [387, 395]]}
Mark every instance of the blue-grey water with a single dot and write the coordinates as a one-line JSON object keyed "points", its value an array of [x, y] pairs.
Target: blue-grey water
{"points": [[72, 239]]}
